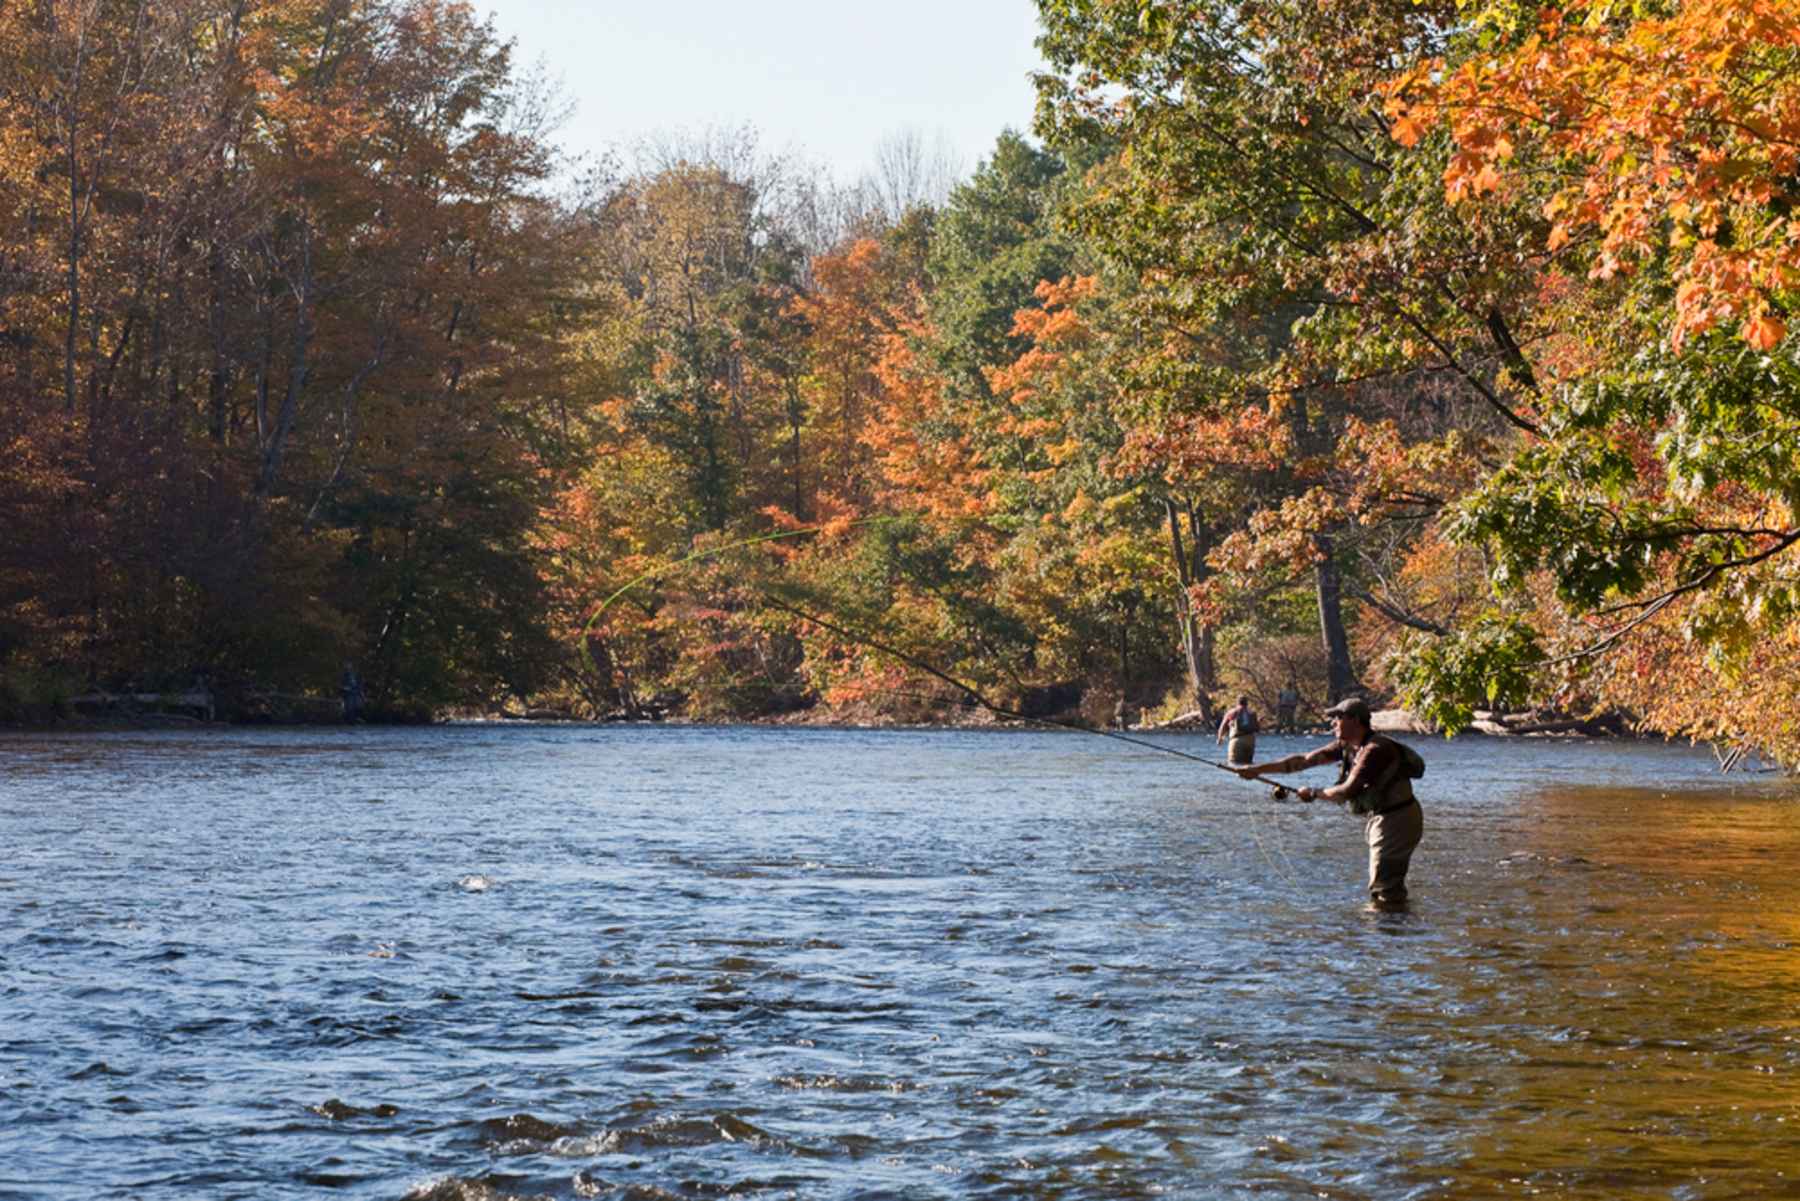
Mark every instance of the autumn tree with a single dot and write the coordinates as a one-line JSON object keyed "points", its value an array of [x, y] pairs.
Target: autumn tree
{"points": [[994, 242], [295, 260], [858, 300], [1292, 257], [698, 352], [1644, 545], [1096, 565], [910, 174]]}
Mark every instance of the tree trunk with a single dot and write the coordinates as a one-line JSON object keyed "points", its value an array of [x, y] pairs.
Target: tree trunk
{"points": [[1340, 678], [1127, 610], [299, 368], [73, 315], [1196, 644], [1197, 570], [794, 417], [217, 376]]}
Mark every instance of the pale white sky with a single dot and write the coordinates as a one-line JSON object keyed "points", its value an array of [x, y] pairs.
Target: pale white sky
{"points": [[826, 78]]}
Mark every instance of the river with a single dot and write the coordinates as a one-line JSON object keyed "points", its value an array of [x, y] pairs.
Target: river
{"points": [[477, 963]]}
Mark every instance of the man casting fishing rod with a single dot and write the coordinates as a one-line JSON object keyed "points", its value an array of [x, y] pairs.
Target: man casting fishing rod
{"points": [[1375, 776]]}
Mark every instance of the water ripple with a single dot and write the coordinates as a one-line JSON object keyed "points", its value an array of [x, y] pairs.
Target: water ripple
{"points": [[681, 963]]}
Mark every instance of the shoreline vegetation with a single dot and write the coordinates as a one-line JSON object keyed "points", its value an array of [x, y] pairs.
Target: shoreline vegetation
{"points": [[102, 713], [1293, 353], [203, 708]]}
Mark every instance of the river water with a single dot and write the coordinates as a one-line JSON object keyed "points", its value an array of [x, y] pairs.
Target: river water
{"points": [[484, 963]]}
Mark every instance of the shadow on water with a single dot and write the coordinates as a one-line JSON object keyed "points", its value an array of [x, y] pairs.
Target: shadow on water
{"points": [[702, 963]]}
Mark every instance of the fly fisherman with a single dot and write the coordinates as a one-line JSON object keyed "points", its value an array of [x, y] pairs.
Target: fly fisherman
{"points": [[1375, 776], [1239, 725]]}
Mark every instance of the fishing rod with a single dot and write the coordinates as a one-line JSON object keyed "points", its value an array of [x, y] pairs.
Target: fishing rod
{"points": [[1281, 792], [972, 697]]}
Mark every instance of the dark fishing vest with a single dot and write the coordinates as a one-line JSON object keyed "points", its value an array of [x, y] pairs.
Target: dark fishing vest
{"points": [[1391, 790]]}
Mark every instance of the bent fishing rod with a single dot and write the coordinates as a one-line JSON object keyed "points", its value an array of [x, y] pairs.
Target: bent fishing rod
{"points": [[1281, 792], [971, 697]]}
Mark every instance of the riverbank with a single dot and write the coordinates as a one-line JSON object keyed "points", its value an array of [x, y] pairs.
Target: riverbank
{"points": [[140, 710], [1530, 723], [134, 709]]}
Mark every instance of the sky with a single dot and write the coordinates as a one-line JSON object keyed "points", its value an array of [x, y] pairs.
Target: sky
{"points": [[824, 79]]}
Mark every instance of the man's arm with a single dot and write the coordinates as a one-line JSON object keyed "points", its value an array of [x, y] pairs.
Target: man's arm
{"points": [[1276, 767]]}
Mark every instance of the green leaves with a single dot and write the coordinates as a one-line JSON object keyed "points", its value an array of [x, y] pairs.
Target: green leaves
{"points": [[1494, 663], [995, 241], [1598, 504]]}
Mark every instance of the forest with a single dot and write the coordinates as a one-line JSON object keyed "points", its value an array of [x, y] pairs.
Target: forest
{"points": [[1434, 350]]}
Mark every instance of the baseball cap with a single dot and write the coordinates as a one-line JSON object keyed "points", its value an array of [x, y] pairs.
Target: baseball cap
{"points": [[1351, 706]]}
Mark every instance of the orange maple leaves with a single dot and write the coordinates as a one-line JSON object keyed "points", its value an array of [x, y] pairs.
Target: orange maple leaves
{"points": [[1676, 136]]}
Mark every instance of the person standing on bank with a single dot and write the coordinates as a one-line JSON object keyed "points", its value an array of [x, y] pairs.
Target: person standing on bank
{"points": [[1375, 776], [351, 690], [1287, 704], [1239, 725]]}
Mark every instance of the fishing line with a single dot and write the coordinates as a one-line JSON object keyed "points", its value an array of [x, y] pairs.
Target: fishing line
{"points": [[1280, 792], [974, 697], [971, 696]]}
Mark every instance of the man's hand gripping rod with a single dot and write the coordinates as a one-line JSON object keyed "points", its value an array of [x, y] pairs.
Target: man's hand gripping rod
{"points": [[1278, 792]]}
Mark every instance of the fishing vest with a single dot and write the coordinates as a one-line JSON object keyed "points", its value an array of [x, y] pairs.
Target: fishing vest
{"points": [[1394, 786]]}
